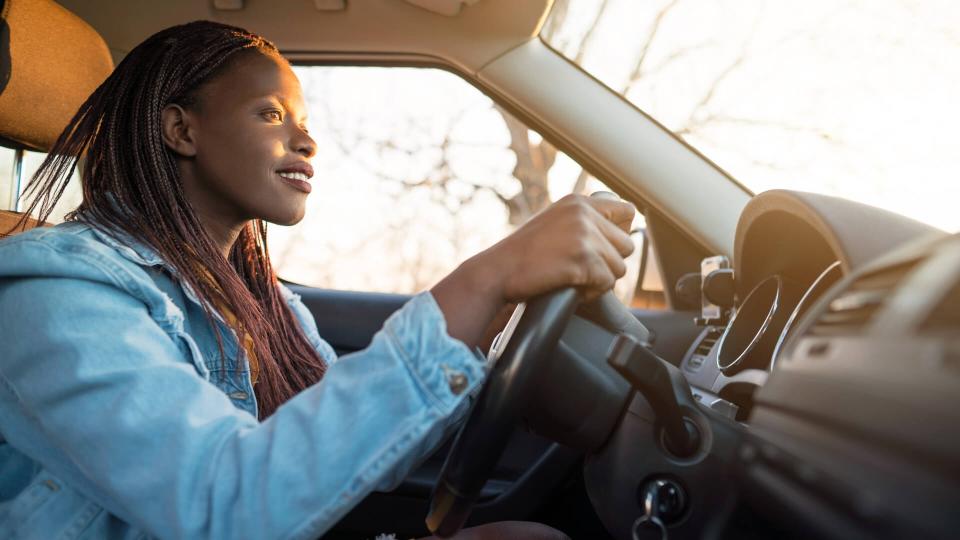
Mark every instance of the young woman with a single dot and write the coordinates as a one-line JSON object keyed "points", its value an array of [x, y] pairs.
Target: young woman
{"points": [[156, 379]]}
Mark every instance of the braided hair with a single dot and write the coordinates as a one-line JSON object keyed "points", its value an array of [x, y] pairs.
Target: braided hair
{"points": [[131, 184]]}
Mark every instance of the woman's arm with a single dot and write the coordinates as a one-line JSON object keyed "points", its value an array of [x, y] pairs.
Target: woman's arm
{"points": [[105, 399], [108, 400]]}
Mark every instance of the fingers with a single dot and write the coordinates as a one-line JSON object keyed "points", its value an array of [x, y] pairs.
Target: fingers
{"points": [[579, 241], [619, 240], [598, 276], [604, 254], [617, 234], [620, 213], [613, 260], [607, 267], [600, 264]]}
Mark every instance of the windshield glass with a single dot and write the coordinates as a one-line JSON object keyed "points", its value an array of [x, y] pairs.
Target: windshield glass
{"points": [[857, 99]]}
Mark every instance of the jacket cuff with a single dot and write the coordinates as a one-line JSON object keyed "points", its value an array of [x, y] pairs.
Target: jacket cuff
{"points": [[448, 370]]}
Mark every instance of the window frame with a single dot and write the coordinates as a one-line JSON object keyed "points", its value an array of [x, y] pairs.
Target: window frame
{"points": [[11, 199]]}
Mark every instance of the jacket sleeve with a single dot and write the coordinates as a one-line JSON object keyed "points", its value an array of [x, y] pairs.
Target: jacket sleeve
{"points": [[102, 396]]}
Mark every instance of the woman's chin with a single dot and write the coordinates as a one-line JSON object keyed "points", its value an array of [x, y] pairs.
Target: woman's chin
{"points": [[287, 216]]}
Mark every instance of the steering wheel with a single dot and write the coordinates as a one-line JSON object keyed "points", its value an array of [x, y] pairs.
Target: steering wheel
{"points": [[529, 342]]}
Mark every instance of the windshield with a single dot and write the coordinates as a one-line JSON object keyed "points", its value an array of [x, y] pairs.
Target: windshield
{"points": [[857, 99]]}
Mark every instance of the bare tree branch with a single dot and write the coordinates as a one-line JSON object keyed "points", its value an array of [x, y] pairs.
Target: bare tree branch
{"points": [[591, 33], [670, 58], [692, 122], [558, 14], [557, 18], [531, 169], [580, 186], [754, 122], [637, 72]]}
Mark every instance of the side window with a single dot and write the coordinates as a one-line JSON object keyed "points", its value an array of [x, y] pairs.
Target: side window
{"points": [[10, 187], [416, 171]]}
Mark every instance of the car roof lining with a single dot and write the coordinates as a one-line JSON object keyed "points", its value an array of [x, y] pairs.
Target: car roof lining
{"points": [[469, 40]]}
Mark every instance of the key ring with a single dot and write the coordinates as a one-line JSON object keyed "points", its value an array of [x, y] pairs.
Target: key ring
{"points": [[647, 521], [651, 511]]}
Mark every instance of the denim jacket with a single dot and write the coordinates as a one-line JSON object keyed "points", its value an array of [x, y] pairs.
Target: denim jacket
{"points": [[118, 418]]}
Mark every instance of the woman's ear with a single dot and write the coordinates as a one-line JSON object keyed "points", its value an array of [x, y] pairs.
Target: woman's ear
{"points": [[177, 130]]}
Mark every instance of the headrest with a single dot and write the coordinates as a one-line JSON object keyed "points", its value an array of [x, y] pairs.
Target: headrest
{"points": [[50, 62], [8, 219]]}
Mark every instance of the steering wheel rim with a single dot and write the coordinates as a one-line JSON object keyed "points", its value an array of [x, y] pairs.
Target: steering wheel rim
{"points": [[483, 437]]}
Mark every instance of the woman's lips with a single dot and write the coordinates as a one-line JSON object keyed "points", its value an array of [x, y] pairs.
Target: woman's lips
{"points": [[297, 180]]}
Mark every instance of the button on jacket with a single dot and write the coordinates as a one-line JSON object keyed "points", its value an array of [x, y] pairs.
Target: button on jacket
{"points": [[119, 419]]}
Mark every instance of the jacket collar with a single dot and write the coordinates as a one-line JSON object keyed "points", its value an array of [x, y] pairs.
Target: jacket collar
{"points": [[125, 244], [129, 247]]}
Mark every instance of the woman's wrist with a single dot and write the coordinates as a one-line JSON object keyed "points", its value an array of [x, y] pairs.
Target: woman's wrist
{"points": [[469, 298]]}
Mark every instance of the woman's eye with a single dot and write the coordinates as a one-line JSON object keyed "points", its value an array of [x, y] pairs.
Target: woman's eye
{"points": [[274, 115]]}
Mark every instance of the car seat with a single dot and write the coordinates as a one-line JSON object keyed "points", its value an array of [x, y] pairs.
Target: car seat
{"points": [[50, 61]]}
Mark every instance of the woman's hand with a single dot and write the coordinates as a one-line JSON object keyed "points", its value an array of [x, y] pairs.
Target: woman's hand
{"points": [[578, 241]]}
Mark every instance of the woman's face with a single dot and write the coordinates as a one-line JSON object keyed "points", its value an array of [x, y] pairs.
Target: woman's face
{"points": [[251, 146]]}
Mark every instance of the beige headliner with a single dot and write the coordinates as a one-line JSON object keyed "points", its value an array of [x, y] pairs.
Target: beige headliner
{"points": [[468, 41], [494, 44]]}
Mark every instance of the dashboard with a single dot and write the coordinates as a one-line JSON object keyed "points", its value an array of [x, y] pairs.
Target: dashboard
{"points": [[831, 386], [791, 249]]}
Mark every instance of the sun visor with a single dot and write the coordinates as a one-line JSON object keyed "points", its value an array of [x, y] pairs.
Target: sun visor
{"points": [[50, 62]]}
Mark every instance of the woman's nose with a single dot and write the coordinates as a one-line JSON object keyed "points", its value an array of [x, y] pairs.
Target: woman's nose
{"points": [[304, 144]]}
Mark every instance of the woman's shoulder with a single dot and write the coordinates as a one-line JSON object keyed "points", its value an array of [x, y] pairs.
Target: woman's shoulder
{"points": [[70, 250], [44, 247], [37, 246], [59, 235]]}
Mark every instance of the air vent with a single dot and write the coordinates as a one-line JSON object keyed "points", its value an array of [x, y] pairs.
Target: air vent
{"points": [[852, 309], [708, 341], [704, 346]]}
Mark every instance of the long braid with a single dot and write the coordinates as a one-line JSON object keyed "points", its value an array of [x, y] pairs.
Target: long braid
{"points": [[131, 184]]}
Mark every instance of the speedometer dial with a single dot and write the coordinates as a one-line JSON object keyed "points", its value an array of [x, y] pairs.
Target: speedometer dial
{"points": [[828, 278], [753, 332]]}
